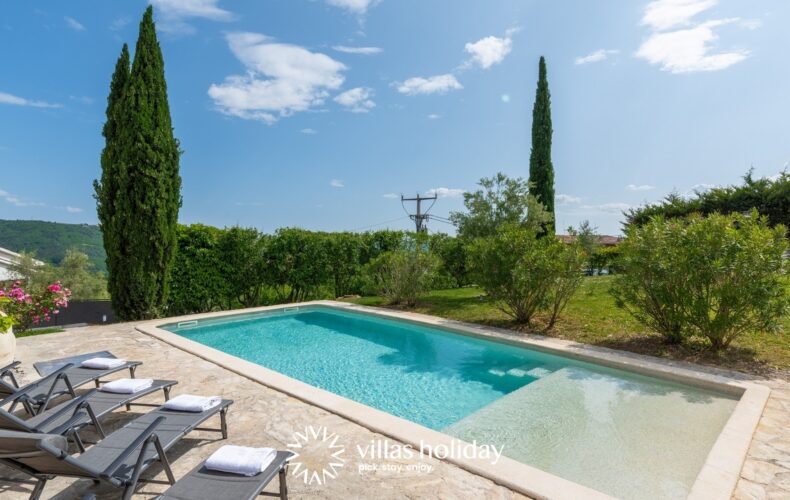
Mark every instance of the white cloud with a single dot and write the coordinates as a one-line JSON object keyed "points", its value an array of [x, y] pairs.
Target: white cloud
{"points": [[337, 183], [74, 24], [488, 51], [358, 100], [434, 116], [688, 50], [119, 23], [391, 196], [607, 207], [505, 98], [443, 192], [21, 101], [432, 85], [308, 131], [365, 51], [173, 12], [679, 45], [698, 188], [597, 56], [353, 6], [751, 24], [73, 210], [665, 14], [640, 187], [281, 79], [567, 199], [18, 202]]}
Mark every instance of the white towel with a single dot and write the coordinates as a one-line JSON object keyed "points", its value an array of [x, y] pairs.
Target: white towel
{"points": [[241, 460], [188, 402], [103, 363], [127, 385]]}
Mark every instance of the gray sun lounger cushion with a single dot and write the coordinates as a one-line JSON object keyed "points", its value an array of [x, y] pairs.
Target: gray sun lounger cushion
{"points": [[79, 412], [118, 460], [205, 484], [39, 396]]}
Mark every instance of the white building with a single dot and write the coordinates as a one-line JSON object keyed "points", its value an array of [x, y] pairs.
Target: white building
{"points": [[7, 260]]}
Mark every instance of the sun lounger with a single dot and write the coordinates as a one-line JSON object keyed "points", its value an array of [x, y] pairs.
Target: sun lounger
{"points": [[70, 417], [205, 484], [37, 395], [118, 460]]}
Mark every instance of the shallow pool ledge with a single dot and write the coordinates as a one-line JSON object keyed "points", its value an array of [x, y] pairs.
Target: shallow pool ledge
{"points": [[717, 478]]}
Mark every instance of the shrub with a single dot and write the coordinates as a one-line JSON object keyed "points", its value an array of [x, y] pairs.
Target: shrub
{"points": [[297, 263], [75, 272], [343, 255], [31, 309], [403, 275], [516, 269], [717, 277], [568, 264], [197, 284]]}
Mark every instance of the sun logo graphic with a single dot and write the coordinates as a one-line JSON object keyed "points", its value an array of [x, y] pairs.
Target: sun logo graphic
{"points": [[317, 455]]}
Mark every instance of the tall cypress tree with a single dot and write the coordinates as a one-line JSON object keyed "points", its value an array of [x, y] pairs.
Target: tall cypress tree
{"points": [[541, 170], [106, 190], [146, 177]]}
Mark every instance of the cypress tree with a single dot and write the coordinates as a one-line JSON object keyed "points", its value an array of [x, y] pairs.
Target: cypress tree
{"points": [[106, 190], [541, 170], [148, 184]]}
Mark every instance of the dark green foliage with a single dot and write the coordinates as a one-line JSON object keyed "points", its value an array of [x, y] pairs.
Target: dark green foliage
{"points": [[242, 263], [716, 277], [769, 197], [49, 241], [500, 201], [196, 283], [139, 199], [541, 170], [298, 263], [452, 253], [343, 256]]}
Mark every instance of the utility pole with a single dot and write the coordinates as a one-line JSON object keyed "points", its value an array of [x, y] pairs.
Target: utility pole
{"points": [[420, 218]]}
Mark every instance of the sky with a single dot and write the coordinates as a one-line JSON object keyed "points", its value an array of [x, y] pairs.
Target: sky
{"points": [[321, 113]]}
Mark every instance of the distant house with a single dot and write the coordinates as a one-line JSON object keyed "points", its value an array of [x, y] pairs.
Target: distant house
{"points": [[8, 260], [603, 240]]}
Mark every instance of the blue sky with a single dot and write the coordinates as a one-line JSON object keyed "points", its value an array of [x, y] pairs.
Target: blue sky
{"points": [[318, 113]]}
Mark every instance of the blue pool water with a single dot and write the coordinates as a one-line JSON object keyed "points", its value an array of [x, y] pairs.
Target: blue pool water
{"points": [[613, 430]]}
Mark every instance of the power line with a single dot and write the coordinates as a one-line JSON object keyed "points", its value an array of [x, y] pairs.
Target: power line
{"points": [[378, 224]]}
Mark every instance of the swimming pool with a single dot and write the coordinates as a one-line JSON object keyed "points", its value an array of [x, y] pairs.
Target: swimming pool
{"points": [[616, 431]]}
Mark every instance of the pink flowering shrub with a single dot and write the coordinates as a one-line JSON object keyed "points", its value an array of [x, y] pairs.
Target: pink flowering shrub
{"points": [[30, 310]]}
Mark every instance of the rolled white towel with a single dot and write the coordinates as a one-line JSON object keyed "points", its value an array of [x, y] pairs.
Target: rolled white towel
{"points": [[241, 460], [103, 363], [189, 402], [127, 385]]}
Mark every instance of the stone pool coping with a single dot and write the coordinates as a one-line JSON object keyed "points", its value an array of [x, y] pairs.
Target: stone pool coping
{"points": [[717, 478]]}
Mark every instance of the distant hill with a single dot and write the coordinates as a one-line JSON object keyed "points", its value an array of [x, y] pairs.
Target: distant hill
{"points": [[50, 240]]}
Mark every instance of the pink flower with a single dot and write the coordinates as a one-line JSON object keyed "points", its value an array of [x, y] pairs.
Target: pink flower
{"points": [[55, 288]]}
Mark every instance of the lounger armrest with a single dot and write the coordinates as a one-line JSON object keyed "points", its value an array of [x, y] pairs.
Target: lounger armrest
{"points": [[8, 371], [72, 406], [24, 390], [137, 443]]}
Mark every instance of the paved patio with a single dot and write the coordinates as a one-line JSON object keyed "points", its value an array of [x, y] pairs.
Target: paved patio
{"points": [[263, 417]]}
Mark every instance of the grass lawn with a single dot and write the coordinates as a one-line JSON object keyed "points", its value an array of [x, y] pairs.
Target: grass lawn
{"points": [[38, 331], [592, 318]]}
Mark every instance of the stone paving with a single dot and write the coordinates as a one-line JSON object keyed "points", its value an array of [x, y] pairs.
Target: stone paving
{"points": [[263, 417]]}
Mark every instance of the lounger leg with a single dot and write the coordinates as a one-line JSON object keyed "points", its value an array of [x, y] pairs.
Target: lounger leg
{"points": [[283, 487], [223, 422], [132, 369], [138, 469], [78, 441], [163, 460], [167, 392], [38, 489]]}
